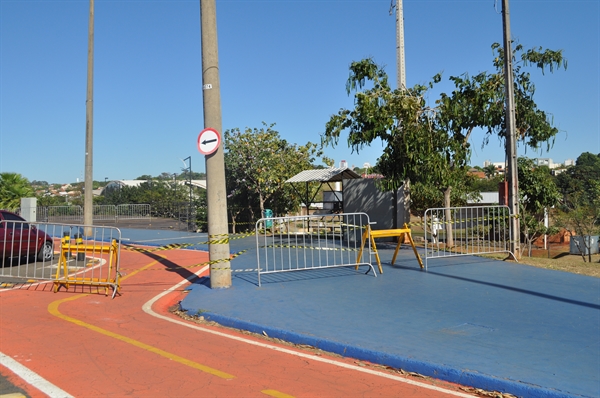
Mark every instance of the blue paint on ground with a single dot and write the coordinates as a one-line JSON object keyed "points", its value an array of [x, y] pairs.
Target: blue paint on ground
{"points": [[484, 323]]}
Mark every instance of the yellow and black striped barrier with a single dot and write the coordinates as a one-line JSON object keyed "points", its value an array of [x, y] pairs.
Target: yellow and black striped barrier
{"points": [[212, 262], [307, 247], [457, 221]]}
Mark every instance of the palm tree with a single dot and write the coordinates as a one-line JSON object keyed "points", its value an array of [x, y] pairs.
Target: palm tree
{"points": [[490, 171], [13, 187]]}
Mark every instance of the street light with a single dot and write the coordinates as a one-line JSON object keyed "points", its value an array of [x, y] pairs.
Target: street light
{"points": [[188, 169]]}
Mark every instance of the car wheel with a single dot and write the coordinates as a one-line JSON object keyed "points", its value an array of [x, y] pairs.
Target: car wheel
{"points": [[46, 251]]}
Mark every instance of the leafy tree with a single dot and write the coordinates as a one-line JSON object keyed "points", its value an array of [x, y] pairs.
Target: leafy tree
{"points": [[257, 164], [51, 200], [43, 184], [13, 187], [580, 207], [490, 171], [430, 144], [423, 144], [577, 178], [480, 99], [485, 184], [538, 193]]}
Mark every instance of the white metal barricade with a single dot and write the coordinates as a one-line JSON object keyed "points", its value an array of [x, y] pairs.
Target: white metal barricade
{"points": [[105, 212], [74, 214], [64, 214], [312, 242], [465, 231], [67, 254], [133, 211]]}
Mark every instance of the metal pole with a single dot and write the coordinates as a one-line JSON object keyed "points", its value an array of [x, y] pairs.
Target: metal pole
{"points": [[189, 212], [216, 193], [88, 185], [511, 140]]}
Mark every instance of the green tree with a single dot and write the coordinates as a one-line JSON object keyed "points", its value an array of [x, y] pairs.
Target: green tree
{"points": [[577, 178], [423, 143], [13, 187], [486, 185], [580, 207], [257, 164], [430, 144], [538, 194], [490, 171]]}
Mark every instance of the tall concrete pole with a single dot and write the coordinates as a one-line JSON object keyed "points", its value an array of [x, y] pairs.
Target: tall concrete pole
{"points": [[88, 185], [220, 272], [401, 79], [401, 74], [511, 139]]}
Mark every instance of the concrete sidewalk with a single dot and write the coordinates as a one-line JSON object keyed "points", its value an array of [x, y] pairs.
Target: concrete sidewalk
{"points": [[477, 322]]}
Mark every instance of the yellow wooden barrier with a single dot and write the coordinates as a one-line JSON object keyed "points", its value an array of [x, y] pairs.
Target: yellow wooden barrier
{"points": [[110, 279], [400, 233]]}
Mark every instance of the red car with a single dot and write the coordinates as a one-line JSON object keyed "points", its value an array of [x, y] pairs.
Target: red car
{"points": [[18, 238]]}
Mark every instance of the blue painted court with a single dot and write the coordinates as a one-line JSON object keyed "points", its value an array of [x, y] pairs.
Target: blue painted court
{"points": [[484, 323]]}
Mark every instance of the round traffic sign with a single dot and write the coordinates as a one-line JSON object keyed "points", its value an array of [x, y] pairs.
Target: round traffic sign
{"points": [[208, 141]]}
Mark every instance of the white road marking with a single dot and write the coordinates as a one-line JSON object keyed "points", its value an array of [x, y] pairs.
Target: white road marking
{"points": [[33, 378], [147, 308]]}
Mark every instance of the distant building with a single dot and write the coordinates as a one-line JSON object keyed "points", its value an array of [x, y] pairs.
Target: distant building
{"points": [[538, 161], [500, 166], [477, 173], [546, 162], [116, 184], [486, 198]]}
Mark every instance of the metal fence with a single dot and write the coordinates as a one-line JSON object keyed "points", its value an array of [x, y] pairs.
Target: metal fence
{"points": [[133, 211], [313, 242], [66, 254], [105, 212], [66, 214], [74, 214], [463, 231]]}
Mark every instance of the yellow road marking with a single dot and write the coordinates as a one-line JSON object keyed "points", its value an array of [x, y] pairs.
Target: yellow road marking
{"points": [[53, 309], [276, 394]]}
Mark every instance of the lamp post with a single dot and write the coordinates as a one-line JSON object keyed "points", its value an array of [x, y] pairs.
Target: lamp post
{"points": [[188, 169]]}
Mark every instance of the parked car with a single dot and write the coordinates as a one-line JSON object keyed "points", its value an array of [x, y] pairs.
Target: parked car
{"points": [[18, 238]]}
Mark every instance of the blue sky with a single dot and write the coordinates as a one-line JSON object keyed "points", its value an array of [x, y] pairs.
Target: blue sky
{"points": [[281, 61]]}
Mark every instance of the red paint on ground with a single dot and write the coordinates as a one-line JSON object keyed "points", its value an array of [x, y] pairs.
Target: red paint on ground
{"points": [[87, 362]]}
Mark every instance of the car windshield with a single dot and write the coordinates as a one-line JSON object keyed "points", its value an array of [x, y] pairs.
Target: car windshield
{"points": [[20, 224]]}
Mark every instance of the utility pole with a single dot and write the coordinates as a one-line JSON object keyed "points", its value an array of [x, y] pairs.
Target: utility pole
{"points": [[401, 66], [216, 192], [511, 140], [401, 79], [88, 185]]}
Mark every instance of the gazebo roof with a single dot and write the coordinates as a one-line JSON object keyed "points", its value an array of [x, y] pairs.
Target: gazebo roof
{"points": [[324, 175]]}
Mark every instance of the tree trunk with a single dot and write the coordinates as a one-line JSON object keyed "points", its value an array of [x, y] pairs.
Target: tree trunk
{"points": [[448, 216]]}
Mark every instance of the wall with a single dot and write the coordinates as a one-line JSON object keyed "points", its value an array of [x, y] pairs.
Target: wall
{"points": [[361, 195]]}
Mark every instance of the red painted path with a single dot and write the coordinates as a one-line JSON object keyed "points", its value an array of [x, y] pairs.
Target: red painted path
{"points": [[87, 344]]}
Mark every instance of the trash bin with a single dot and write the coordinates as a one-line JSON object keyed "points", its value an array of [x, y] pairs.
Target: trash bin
{"points": [[584, 245], [268, 213]]}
